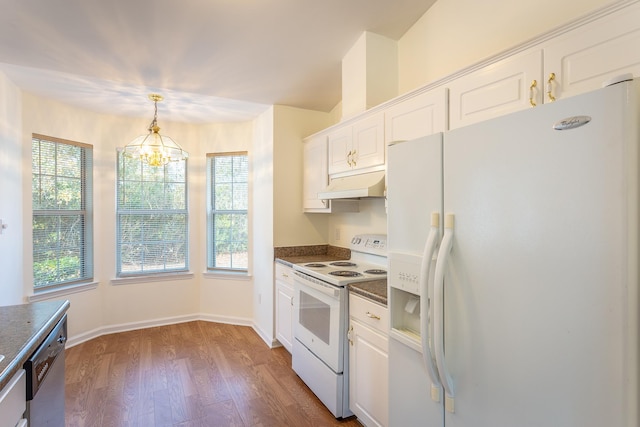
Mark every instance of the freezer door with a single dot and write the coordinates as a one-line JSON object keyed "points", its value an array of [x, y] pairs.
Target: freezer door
{"points": [[541, 288], [414, 192]]}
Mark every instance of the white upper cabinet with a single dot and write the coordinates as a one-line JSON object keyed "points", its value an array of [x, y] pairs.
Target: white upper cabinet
{"points": [[572, 62], [420, 115], [582, 59], [357, 146], [340, 146], [315, 177], [567, 61], [368, 142], [503, 87]]}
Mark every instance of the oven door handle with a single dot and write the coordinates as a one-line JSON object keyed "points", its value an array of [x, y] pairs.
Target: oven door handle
{"points": [[316, 284]]}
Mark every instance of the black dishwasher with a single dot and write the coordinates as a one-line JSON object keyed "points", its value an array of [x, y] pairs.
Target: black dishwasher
{"points": [[45, 379]]}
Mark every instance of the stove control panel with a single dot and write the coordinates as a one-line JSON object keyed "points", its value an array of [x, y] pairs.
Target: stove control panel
{"points": [[370, 243]]}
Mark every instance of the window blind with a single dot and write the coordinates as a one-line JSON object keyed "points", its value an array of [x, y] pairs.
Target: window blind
{"points": [[152, 217], [62, 213], [227, 219]]}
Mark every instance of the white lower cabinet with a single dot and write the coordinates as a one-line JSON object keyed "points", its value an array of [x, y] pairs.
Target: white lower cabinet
{"points": [[13, 401], [368, 361], [284, 305]]}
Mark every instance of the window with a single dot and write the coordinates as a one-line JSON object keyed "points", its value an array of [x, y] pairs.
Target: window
{"points": [[61, 189], [152, 217], [228, 200]]}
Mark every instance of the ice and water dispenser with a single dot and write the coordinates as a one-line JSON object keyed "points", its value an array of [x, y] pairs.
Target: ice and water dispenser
{"points": [[404, 298]]}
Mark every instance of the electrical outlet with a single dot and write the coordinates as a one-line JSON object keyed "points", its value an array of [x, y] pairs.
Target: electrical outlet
{"points": [[337, 235]]}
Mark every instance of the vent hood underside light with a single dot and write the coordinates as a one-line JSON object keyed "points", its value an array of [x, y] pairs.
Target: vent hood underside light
{"points": [[370, 184]]}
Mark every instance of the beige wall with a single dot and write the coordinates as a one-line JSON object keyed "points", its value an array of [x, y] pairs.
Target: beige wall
{"points": [[454, 34], [12, 283], [372, 219], [110, 304], [274, 144], [291, 227], [262, 224], [277, 201], [222, 298], [118, 306]]}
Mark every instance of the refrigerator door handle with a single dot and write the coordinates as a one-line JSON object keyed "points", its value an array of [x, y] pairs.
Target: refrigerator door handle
{"points": [[438, 309], [425, 311]]}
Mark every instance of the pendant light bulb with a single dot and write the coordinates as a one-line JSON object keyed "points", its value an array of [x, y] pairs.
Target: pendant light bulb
{"points": [[153, 148]]}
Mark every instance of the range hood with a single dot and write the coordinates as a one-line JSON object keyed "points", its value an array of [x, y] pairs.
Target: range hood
{"points": [[370, 184]]}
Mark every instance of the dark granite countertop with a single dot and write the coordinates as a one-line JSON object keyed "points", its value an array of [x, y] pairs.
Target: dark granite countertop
{"points": [[298, 254], [22, 329], [290, 260], [375, 290]]}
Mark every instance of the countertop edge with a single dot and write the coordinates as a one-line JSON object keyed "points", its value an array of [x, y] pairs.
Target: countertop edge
{"points": [[375, 291], [284, 262], [31, 345]]}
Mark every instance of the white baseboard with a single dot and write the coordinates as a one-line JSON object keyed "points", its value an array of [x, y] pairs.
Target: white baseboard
{"points": [[123, 327], [272, 343]]}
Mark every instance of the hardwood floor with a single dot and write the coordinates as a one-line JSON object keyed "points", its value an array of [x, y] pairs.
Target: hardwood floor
{"points": [[189, 374]]}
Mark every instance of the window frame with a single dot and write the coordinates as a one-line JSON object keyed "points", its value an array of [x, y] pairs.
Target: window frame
{"points": [[211, 212], [85, 247], [121, 212]]}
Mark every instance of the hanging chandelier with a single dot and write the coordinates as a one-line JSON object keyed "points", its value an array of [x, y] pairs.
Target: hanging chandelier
{"points": [[153, 148]]}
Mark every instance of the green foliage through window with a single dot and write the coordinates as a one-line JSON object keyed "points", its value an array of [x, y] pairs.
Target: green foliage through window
{"points": [[152, 217], [61, 189], [227, 217]]}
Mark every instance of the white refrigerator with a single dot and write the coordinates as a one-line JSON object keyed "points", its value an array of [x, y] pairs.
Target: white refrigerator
{"points": [[524, 312]]}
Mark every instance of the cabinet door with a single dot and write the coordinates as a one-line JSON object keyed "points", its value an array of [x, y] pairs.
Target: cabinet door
{"points": [[368, 142], [13, 400], [368, 375], [340, 144], [584, 58], [284, 314], [497, 89], [315, 172], [421, 115]]}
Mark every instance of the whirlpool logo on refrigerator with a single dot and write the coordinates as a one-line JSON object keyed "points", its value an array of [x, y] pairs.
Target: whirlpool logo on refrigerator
{"points": [[571, 122]]}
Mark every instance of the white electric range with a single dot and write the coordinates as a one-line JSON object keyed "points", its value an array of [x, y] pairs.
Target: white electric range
{"points": [[321, 318]]}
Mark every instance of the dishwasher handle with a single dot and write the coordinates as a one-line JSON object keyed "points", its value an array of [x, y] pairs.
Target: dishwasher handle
{"points": [[40, 363]]}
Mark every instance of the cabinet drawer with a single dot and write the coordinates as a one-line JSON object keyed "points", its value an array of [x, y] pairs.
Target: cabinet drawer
{"points": [[13, 400], [369, 313], [284, 273]]}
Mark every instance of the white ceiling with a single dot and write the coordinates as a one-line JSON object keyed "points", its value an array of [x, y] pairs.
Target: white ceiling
{"points": [[212, 60]]}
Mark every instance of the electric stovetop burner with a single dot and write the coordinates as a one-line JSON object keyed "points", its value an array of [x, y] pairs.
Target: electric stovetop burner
{"points": [[375, 271], [345, 273], [315, 265], [343, 264]]}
